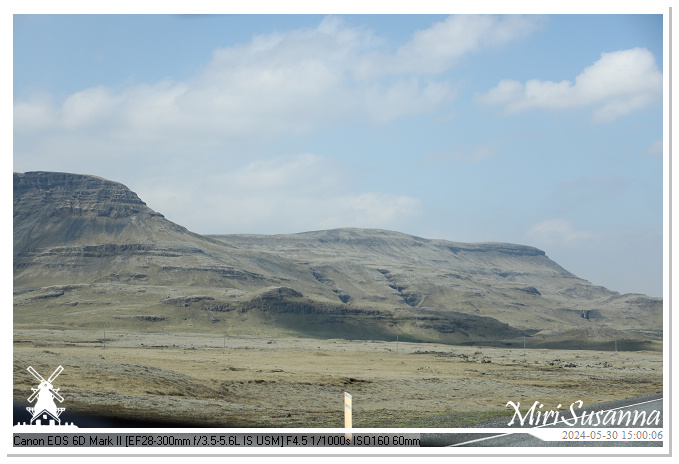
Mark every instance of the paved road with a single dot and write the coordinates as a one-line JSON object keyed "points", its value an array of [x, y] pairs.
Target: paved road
{"points": [[647, 403]]}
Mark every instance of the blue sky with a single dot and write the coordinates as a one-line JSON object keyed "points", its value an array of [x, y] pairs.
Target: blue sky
{"points": [[540, 130]]}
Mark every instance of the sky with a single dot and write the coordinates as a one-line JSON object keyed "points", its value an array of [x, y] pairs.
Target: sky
{"points": [[539, 130]]}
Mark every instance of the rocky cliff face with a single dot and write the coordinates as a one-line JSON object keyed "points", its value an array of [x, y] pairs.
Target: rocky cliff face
{"points": [[82, 239], [53, 208], [77, 193]]}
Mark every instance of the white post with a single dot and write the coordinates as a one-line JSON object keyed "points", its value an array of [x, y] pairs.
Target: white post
{"points": [[347, 415]]}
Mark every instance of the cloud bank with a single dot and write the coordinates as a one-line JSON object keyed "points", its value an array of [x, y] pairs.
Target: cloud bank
{"points": [[285, 194], [281, 83], [248, 95]]}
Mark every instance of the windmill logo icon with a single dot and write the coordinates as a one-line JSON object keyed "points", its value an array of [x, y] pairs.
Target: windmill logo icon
{"points": [[45, 411]]}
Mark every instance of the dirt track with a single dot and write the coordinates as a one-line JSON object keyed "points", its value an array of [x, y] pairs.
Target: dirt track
{"points": [[194, 379]]}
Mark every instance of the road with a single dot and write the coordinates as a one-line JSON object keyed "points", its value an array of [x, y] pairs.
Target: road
{"points": [[651, 404]]}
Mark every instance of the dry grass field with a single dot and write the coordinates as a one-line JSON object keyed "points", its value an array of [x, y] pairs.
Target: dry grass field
{"points": [[246, 381]]}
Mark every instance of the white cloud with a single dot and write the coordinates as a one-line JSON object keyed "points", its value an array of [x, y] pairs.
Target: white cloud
{"points": [[279, 83], [558, 231], [436, 49], [286, 194], [405, 97], [35, 115], [617, 84], [372, 210], [276, 84]]}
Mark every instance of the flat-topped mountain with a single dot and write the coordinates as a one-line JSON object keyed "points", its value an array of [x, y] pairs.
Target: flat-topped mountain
{"points": [[58, 209], [89, 251], [518, 285]]}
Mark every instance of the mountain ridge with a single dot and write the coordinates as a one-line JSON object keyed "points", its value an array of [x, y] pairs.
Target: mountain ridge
{"points": [[97, 235]]}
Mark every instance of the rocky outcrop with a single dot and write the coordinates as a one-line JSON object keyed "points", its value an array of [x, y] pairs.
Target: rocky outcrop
{"points": [[61, 209], [504, 248], [74, 192]]}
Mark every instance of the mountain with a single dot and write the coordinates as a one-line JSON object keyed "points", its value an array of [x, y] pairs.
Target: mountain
{"points": [[88, 251], [60, 209], [515, 284]]}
